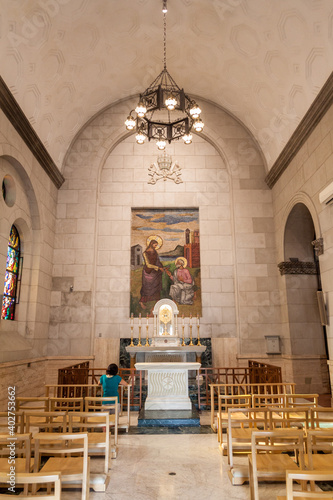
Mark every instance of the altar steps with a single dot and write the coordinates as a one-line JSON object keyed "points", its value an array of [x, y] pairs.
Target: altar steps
{"points": [[169, 418]]}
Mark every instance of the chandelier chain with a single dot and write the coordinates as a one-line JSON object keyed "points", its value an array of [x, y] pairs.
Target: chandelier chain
{"points": [[164, 39], [177, 115]]}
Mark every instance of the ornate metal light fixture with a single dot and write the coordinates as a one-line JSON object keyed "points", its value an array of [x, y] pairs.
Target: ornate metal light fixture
{"points": [[153, 118]]}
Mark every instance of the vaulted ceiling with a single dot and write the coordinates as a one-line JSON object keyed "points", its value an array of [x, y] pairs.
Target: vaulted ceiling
{"points": [[263, 61]]}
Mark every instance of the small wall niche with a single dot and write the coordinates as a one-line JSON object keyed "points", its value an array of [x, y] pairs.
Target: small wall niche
{"points": [[9, 190]]}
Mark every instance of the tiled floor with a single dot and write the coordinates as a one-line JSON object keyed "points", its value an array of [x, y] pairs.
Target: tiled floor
{"points": [[173, 467]]}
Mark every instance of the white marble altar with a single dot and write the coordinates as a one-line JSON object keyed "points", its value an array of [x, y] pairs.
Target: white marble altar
{"points": [[168, 385]]}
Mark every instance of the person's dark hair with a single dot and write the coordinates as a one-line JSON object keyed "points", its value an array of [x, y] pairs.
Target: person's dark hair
{"points": [[112, 369], [151, 243]]}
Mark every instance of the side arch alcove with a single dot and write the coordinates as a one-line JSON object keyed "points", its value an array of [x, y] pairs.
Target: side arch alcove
{"points": [[300, 274], [18, 335]]}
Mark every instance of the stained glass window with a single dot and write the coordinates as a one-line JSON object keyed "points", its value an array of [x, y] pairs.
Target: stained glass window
{"points": [[11, 277]]}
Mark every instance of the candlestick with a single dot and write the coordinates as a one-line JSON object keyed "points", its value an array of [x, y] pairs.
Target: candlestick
{"points": [[139, 343], [183, 326], [147, 340], [198, 327], [191, 342]]}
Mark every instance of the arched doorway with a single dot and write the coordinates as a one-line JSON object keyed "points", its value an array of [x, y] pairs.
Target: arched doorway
{"points": [[307, 335]]}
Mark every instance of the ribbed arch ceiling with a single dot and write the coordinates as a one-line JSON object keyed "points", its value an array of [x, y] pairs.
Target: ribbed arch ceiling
{"points": [[264, 61]]}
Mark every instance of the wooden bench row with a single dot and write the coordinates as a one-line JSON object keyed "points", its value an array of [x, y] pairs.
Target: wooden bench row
{"points": [[83, 403], [243, 422], [89, 434], [217, 390], [259, 401], [274, 453]]}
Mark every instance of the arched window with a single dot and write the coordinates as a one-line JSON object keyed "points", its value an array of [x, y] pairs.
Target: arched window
{"points": [[12, 275]]}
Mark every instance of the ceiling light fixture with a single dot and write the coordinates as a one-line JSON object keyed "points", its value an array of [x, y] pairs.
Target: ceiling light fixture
{"points": [[153, 118]]}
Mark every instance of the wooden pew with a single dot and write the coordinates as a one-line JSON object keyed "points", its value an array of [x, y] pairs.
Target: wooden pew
{"points": [[224, 403], [270, 456], [241, 389], [28, 479], [96, 425], [75, 470], [243, 422], [308, 479]]}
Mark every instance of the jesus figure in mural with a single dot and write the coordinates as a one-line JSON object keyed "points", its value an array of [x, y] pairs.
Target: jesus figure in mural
{"points": [[152, 272]]}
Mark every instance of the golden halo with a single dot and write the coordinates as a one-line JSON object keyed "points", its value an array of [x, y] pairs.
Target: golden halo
{"points": [[183, 259], [156, 238]]}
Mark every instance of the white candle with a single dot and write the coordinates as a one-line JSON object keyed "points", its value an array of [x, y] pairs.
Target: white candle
{"points": [[147, 318], [132, 320], [198, 321], [190, 319], [140, 319], [183, 319]]}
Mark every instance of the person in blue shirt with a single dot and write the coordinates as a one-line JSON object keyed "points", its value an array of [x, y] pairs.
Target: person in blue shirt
{"points": [[110, 383]]}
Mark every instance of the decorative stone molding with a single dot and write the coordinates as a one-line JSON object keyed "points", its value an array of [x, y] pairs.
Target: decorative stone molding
{"points": [[309, 122], [22, 125], [164, 169], [297, 268], [318, 245]]}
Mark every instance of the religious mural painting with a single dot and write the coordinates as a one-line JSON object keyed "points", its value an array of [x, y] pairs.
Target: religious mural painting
{"points": [[165, 260]]}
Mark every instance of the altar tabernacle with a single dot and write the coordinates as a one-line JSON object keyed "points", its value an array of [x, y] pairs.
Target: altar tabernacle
{"points": [[166, 344]]}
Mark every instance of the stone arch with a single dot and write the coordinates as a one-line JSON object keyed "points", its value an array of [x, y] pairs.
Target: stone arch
{"points": [[235, 153], [106, 135], [25, 215], [17, 160], [301, 272], [304, 199]]}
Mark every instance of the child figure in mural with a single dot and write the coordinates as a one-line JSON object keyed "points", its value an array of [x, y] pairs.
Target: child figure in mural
{"points": [[110, 383], [182, 290], [152, 272]]}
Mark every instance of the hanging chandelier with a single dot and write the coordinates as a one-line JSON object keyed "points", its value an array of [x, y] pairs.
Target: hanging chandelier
{"points": [[164, 112]]}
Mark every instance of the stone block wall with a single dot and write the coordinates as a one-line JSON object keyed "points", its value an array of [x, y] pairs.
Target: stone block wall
{"points": [[106, 174], [32, 210], [306, 176], [29, 376]]}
